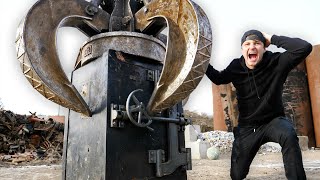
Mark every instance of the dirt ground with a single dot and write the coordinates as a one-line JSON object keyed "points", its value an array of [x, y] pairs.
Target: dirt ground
{"points": [[265, 166]]}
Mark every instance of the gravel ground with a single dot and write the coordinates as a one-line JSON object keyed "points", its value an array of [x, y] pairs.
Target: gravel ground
{"points": [[265, 166]]}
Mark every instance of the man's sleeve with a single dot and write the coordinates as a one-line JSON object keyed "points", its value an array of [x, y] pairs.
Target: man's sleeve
{"points": [[296, 50], [218, 77]]}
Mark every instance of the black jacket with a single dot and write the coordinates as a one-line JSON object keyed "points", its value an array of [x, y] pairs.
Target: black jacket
{"points": [[259, 91]]}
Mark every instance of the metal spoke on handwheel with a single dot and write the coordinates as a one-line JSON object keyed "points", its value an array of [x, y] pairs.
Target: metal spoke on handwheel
{"points": [[135, 99], [135, 109], [146, 114], [139, 117]]}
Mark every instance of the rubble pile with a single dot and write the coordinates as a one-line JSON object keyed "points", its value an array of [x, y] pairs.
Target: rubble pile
{"points": [[223, 140], [28, 138]]}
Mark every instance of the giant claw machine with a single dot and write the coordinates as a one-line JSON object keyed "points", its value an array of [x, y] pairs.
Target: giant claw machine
{"points": [[141, 59]]}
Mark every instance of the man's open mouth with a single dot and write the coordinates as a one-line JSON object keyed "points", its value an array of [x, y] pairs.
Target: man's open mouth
{"points": [[253, 56]]}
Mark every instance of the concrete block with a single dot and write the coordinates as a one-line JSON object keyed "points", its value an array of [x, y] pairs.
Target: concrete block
{"points": [[191, 133], [303, 142], [198, 149]]}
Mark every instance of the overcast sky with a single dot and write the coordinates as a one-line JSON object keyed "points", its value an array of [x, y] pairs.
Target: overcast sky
{"points": [[229, 20]]}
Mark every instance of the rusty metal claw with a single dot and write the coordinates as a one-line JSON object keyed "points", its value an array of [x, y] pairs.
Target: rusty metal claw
{"points": [[36, 47], [188, 48], [187, 55]]}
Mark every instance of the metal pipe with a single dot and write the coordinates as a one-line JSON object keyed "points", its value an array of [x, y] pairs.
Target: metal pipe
{"points": [[172, 120]]}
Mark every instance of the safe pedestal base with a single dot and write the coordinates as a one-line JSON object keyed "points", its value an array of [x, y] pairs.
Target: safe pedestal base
{"points": [[95, 150]]}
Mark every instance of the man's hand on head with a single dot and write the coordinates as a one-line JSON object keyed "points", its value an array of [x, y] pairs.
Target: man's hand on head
{"points": [[268, 38]]}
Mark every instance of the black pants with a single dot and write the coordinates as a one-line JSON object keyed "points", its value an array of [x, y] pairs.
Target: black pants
{"points": [[249, 139]]}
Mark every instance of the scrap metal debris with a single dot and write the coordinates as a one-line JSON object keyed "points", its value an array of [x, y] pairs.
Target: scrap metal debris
{"points": [[25, 138]]}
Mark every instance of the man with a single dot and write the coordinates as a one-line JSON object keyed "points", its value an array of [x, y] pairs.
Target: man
{"points": [[258, 76]]}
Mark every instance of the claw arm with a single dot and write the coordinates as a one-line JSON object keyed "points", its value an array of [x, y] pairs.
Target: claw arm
{"points": [[188, 48], [37, 52]]}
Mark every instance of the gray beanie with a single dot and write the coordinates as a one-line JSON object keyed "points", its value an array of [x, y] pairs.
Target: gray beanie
{"points": [[253, 35]]}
